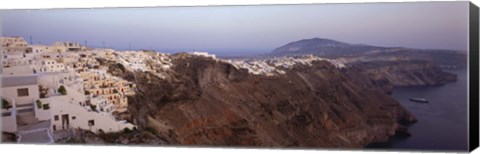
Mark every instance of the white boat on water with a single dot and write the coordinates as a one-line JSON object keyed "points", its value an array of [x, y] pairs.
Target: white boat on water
{"points": [[420, 100]]}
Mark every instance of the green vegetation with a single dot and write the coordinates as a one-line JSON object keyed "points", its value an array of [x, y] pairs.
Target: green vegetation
{"points": [[6, 104], [121, 67], [115, 91], [39, 104], [46, 106], [62, 90], [151, 130], [127, 130], [93, 107]]}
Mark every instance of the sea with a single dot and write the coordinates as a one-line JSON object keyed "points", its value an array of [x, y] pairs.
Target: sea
{"points": [[442, 123]]}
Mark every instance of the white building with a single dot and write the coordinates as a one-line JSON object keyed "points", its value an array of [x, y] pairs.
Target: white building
{"points": [[49, 65], [67, 46], [68, 112], [18, 70], [63, 111], [15, 59], [23, 89], [204, 54], [21, 92], [40, 49]]}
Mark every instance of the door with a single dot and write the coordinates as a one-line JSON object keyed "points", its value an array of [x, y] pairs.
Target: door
{"points": [[65, 121]]}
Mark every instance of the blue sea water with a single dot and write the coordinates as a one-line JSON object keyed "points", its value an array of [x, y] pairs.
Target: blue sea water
{"points": [[442, 123]]}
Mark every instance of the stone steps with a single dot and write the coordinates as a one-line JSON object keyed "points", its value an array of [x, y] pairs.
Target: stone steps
{"points": [[26, 117], [24, 105]]}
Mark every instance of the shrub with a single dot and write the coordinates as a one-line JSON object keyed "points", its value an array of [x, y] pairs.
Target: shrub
{"points": [[115, 91], [151, 130], [46, 106], [127, 130], [121, 67], [101, 132], [6, 104], [93, 107], [62, 90], [39, 104]]}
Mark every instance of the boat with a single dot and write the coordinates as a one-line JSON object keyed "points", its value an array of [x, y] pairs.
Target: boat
{"points": [[419, 100]]}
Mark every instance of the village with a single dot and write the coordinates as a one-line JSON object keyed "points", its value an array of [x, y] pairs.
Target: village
{"points": [[277, 65], [47, 90]]}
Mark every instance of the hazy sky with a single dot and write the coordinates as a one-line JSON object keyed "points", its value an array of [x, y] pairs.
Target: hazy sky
{"points": [[441, 25]]}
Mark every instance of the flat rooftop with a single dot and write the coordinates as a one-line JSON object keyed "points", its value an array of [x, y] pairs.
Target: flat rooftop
{"points": [[13, 81]]}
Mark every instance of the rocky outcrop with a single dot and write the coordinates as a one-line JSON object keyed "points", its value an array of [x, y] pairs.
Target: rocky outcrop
{"points": [[404, 73], [131, 137], [203, 101]]}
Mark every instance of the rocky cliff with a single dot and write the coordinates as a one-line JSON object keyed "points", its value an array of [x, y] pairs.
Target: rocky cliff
{"points": [[208, 102], [405, 73]]}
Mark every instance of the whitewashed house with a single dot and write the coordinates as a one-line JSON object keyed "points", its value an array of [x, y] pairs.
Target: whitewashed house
{"points": [[65, 112], [204, 54], [23, 89]]}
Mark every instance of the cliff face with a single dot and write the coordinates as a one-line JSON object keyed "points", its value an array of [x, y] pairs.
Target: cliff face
{"points": [[405, 73], [208, 102]]}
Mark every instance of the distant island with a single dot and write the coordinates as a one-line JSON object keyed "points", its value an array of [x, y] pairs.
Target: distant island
{"points": [[356, 52]]}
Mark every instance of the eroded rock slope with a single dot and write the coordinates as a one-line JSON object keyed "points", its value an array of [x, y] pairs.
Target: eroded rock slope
{"points": [[203, 101]]}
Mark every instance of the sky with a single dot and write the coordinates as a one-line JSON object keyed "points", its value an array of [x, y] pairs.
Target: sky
{"points": [[246, 29]]}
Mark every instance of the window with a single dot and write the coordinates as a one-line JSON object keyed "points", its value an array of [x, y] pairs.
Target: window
{"points": [[55, 117], [22, 92], [91, 123], [73, 117]]}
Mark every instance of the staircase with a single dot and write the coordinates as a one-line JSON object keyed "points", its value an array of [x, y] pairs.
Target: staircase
{"points": [[26, 115]]}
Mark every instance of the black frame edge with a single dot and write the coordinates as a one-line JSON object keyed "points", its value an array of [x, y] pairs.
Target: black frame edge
{"points": [[474, 77]]}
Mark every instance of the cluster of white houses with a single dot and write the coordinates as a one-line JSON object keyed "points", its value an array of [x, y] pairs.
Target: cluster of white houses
{"points": [[61, 83], [277, 65]]}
